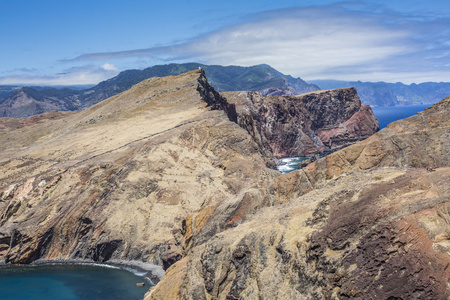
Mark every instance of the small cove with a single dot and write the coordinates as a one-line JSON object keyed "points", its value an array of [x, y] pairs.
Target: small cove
{"points": [[385, 115], [71, 282], [289, 164]]}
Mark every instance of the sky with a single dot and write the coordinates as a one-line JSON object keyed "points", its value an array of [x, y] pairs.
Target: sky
{"points": [[66, 42]]}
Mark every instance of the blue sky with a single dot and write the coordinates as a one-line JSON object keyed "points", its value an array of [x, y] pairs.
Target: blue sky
{"points": [[65, 42]]}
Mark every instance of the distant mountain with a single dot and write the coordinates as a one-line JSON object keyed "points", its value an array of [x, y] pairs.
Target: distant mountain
{"points": [[26, 101], [22, 102], [261, 78], [392, 94], [5, 90]]}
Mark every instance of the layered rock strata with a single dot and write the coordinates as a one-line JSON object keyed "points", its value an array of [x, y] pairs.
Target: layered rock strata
{"points": [[163, 174], [317, 122], [369, 221], [116, 181]]}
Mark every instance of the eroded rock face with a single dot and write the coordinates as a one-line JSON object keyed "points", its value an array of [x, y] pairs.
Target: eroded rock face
{"points": [[420, 141], [163, 174], [361, 236], [117, 180], [359, 223], [317, 122]]}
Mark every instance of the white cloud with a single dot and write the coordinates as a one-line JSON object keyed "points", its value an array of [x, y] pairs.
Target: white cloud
{"points": [[82, 75], [334, 43], [110, 67], [300, 45], [348, 42]]}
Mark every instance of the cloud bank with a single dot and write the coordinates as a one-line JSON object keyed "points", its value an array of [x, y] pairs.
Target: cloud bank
{"points": [[343, 42], [331, 42], [80, 75]]}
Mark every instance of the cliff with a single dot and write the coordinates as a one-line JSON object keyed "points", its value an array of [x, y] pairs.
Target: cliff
{"points": [[115, 181], [392, 94], [369, 221], [163, 174], [26, 101], [316, 122]]}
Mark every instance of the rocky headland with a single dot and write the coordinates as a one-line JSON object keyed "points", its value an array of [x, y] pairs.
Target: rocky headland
{"points": [[20, 102], [370, 221], [173, 174], [316, 122]]}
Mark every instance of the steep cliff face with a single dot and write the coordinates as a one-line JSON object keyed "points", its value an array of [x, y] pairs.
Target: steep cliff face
{"points": [[420, 141], [316, 122], [163, 174], [117, 180], [359, 223]]}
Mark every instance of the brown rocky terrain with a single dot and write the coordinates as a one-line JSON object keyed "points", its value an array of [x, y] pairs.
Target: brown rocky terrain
{"points": [[366, 222], [161, 175], [316, 122], [116, 181]]}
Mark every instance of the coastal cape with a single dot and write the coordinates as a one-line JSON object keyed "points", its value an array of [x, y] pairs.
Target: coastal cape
{"points": [[368, 221], [174, 174]]}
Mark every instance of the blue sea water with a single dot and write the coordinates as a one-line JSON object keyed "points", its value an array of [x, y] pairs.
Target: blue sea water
{"points": [[386, 115], [70, 282]]}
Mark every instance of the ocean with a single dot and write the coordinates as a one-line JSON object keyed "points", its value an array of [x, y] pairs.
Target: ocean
{"points": [[385, 115], [70, 282]]}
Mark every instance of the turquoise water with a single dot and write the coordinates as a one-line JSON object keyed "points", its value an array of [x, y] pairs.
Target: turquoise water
{"points": [[386, 115], [70, 282]]}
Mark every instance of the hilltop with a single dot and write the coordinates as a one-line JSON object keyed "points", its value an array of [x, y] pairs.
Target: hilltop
{"points": [[27, 101], [177, 177]]}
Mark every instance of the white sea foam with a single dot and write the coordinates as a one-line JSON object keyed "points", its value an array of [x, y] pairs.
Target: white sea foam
{"points": [[142, 269], [288, 164]]}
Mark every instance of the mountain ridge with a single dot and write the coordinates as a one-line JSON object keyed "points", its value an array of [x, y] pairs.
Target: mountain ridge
{"points": [[392, 94], [262, 78], [170, 174]]}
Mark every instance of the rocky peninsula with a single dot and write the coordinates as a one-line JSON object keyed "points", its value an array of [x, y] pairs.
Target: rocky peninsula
{"points": [[174, 174]]}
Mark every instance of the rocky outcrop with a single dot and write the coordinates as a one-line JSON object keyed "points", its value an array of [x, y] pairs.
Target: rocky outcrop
{"points": [[162, 174], [382, 93], [117, 180], [420, 141], [359, 223], [317, 122]]}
